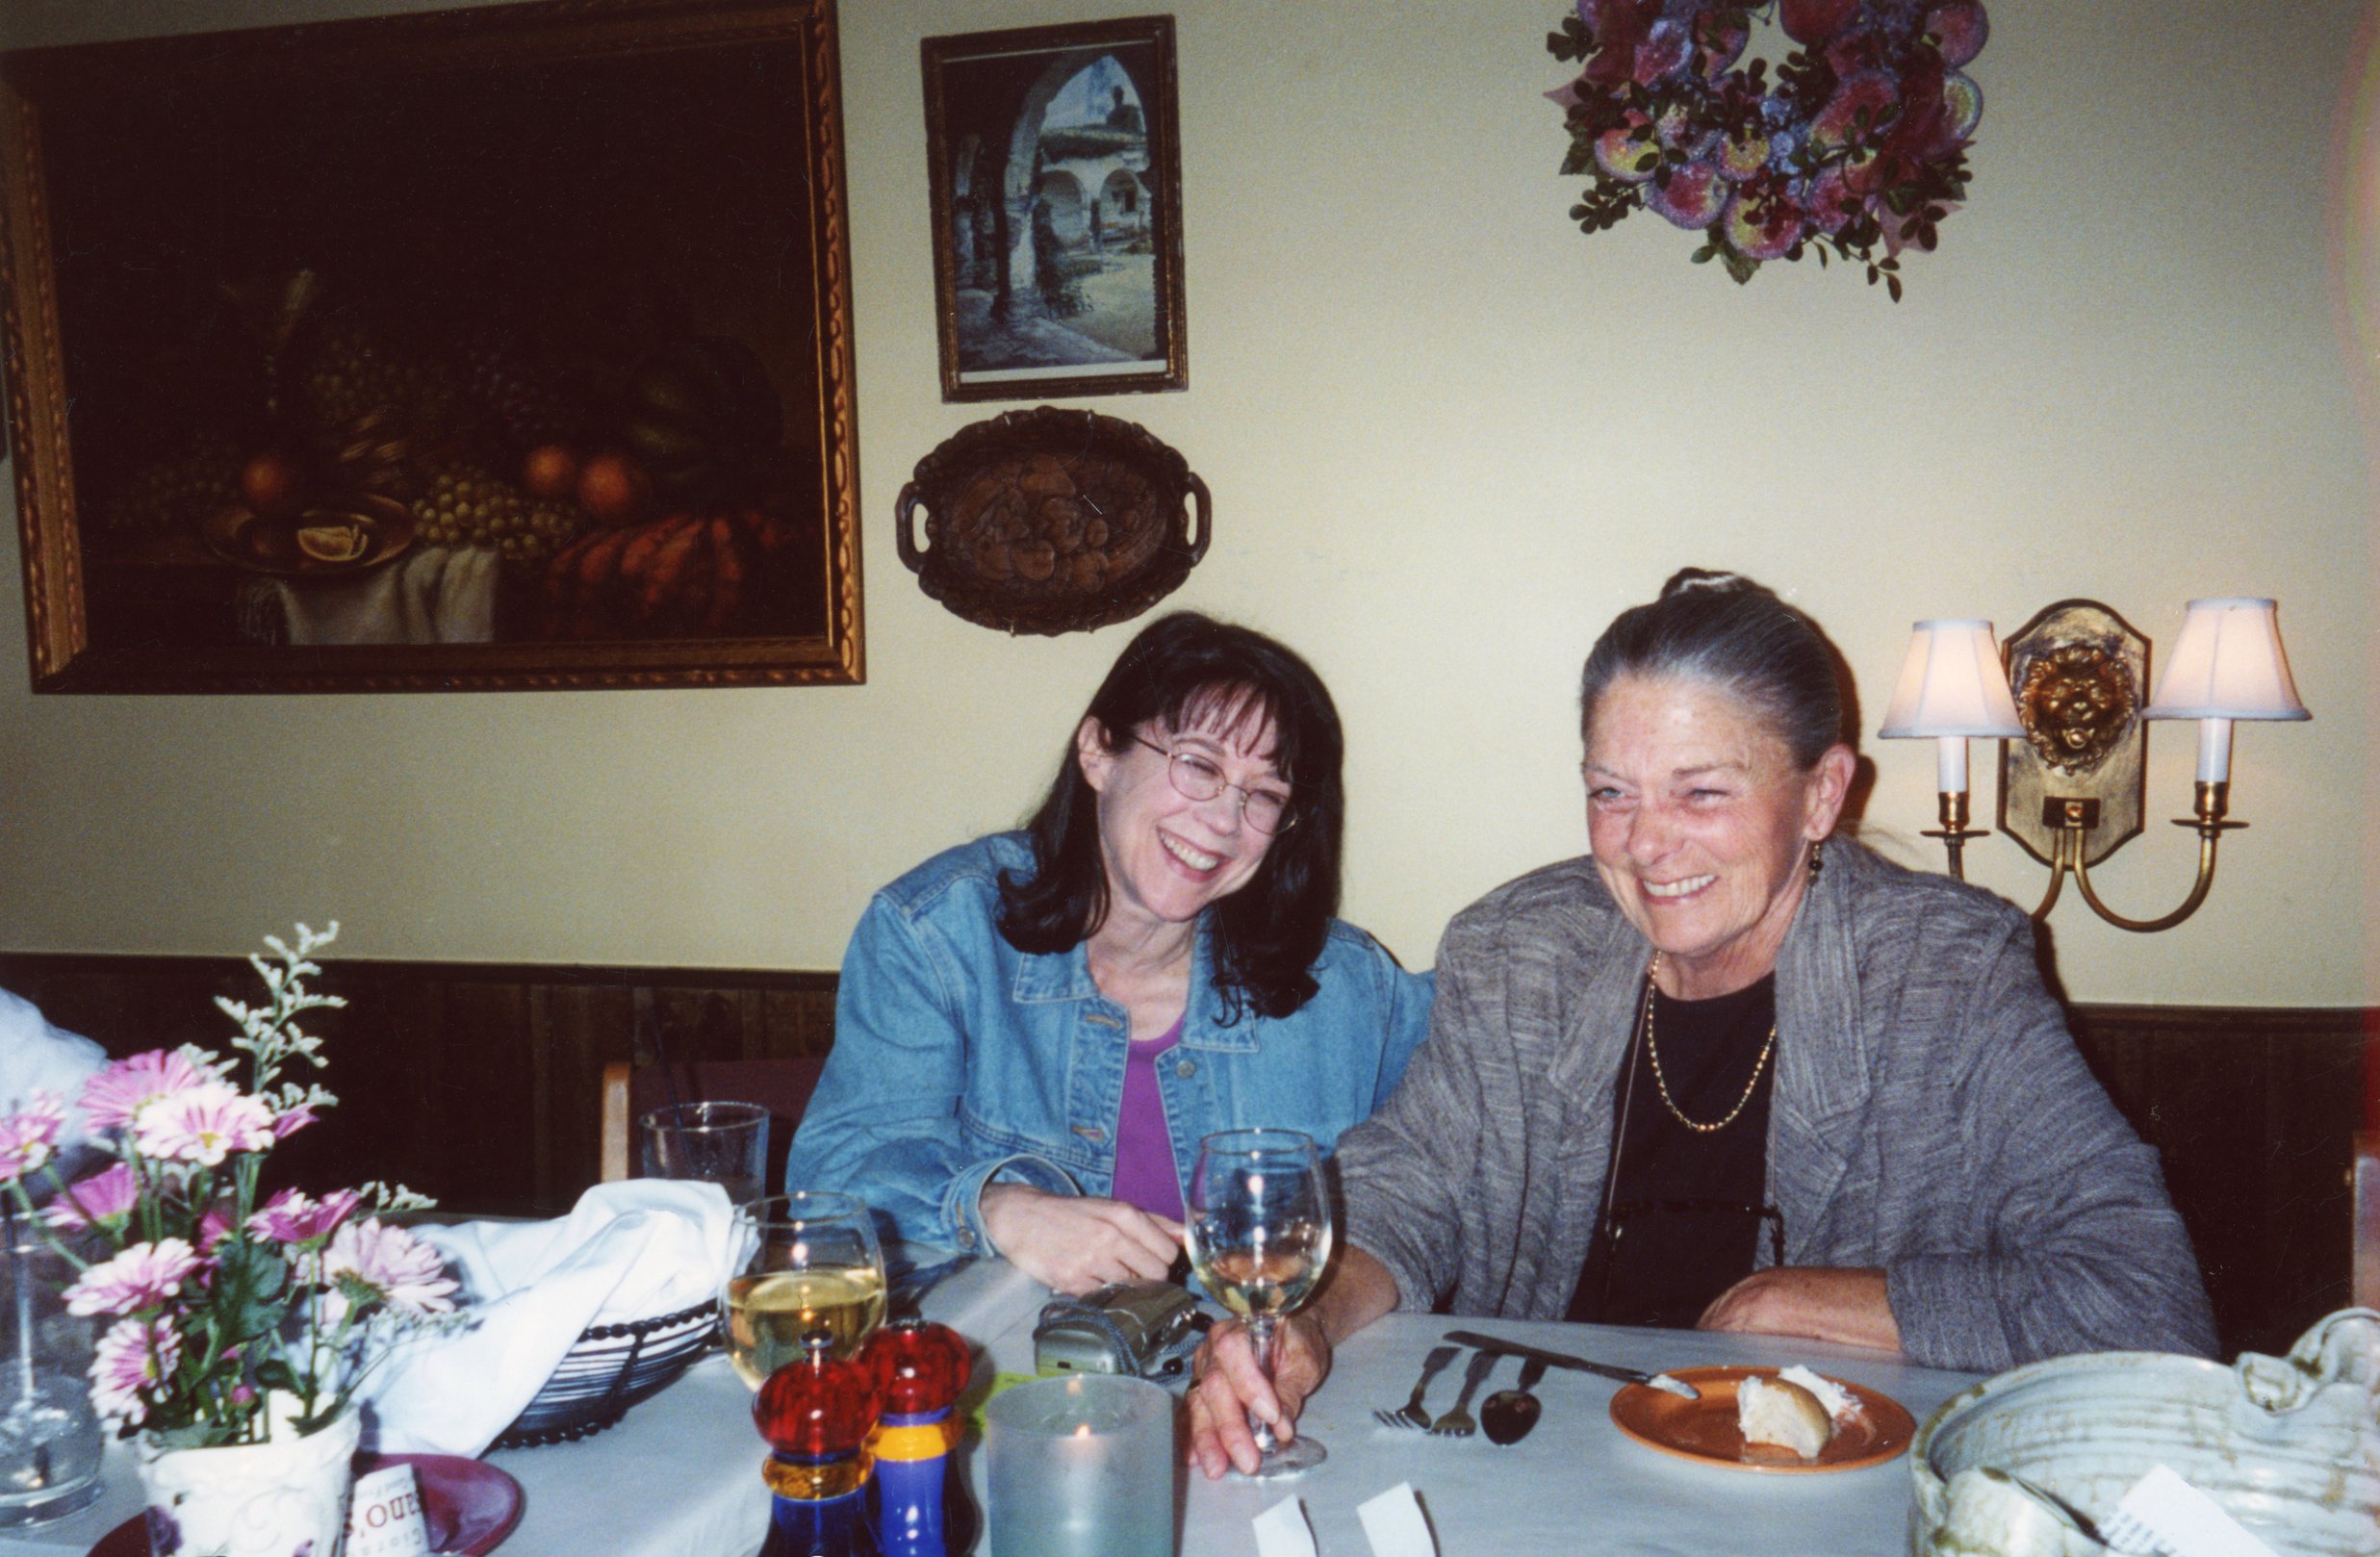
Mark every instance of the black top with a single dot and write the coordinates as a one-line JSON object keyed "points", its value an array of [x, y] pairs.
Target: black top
{"points": [[1681, 1218]]}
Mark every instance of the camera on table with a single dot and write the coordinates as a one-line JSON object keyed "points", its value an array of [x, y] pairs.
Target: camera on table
{"points": [[1148, 1329]]}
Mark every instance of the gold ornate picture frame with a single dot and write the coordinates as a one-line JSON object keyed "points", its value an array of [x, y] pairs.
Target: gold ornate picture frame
{"points": [[496, 350], [1055, 171]]}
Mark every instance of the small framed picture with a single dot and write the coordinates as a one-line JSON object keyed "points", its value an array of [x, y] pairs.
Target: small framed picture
{"points": [[1057, 187]]}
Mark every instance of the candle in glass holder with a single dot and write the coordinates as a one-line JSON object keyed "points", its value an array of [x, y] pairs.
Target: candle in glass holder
{"points": [[1081, 1466]]}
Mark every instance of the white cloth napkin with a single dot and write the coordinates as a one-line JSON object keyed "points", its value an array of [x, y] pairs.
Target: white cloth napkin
{"points": [[632, 1250], [1395, 1525], [435, 595], [38, 1055]]}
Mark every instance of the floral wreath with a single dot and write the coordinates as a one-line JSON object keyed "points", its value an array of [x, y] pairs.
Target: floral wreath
{"points": [[1859, 143]]}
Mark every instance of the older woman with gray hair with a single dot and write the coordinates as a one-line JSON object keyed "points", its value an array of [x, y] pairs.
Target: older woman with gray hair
{"points": [[1733, 1072]]}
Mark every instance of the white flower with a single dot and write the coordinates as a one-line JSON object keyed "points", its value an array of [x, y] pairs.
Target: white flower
{"points": [[203, 1124]]}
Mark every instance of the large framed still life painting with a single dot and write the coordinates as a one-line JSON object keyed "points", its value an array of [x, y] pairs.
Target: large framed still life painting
{"points": [[502, 348], [1054, 170]]}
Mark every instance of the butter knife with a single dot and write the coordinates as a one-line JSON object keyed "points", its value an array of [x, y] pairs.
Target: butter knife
{"points": [[1625, 1375]]}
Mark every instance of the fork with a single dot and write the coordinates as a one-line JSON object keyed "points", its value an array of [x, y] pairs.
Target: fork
{"points": [[1411, 1414], [1458, 1423]]}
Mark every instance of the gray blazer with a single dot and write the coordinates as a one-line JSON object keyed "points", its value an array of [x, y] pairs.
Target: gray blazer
{"points": [[1930, 1117]]}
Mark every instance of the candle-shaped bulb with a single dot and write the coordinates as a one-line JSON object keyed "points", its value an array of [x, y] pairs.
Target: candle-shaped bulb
{"points": [[918, 1367], [1950, 764], [817, 1407], [2213, 751]]}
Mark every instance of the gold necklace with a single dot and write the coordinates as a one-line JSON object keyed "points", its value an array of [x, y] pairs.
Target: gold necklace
{"points": [[1662, 1081]]}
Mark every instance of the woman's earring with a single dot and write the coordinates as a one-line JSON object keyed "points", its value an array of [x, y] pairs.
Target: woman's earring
{"points": [[1818, 858]]}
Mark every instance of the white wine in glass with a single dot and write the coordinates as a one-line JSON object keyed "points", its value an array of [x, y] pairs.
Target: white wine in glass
{"points": [[1260, 1239], [800, 1263]]}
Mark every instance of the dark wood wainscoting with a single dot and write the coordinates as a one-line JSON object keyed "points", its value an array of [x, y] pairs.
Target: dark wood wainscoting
{"points": [[478, 1084], [2255, 1111]]}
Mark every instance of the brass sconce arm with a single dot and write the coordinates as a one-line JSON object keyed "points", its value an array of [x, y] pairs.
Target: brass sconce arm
{"points": [[2212, 798], [1955, 832]]}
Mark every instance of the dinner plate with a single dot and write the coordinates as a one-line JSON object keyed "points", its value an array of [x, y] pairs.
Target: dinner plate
{"points": [[1704, 1429], [472, 1506], [249, 540]]}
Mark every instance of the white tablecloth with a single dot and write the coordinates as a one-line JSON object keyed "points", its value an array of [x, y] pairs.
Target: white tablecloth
{"points": [[679, 1477]]}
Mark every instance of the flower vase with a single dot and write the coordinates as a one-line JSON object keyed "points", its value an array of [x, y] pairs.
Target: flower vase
{"points": [[49, 1436], [284, 1497]]}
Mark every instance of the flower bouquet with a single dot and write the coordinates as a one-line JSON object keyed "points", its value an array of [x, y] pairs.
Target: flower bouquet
{"points": [[238, 1319]]}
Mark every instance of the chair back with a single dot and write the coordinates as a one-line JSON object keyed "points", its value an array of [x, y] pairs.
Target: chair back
{"points": [[783, 1086]]}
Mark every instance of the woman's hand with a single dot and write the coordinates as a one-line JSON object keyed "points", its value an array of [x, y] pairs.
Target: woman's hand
{"points": [[1231, 1386], [1075, 1243], [1822, 1302]]}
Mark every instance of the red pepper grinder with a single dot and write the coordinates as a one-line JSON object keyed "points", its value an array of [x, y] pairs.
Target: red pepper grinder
{"points": [[919, 1371], [817, 1411]]}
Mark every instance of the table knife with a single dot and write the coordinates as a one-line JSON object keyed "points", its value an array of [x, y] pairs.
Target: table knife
{"points": [[1625, 1375]]}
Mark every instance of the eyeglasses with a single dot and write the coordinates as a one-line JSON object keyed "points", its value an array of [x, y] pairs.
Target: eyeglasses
{"points": [[1195, 778]]}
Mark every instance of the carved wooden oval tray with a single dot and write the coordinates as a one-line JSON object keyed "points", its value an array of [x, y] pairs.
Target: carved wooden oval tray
{"points": [[1050, 520]]}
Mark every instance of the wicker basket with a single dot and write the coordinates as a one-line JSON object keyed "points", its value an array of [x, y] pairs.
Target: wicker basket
{"points": [[1050, 521], [610, 1368]]}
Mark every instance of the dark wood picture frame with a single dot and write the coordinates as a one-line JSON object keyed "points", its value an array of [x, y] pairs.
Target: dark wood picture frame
{"points": [[279, 306], [1057, 220]]}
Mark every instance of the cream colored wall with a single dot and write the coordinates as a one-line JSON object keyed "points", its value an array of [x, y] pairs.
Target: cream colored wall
{"points": [[1448, 437]]}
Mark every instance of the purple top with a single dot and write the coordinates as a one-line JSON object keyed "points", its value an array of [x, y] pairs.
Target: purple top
{"points": [[1146, 1175]]}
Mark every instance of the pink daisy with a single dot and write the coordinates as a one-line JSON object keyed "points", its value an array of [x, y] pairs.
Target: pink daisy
{"points": [[215, 1226], [27, 1137], [104, 1196], [203, 1125], [112, 1097], [143, 1276], [291, 1217], [388, 1262], [132, 1357]]}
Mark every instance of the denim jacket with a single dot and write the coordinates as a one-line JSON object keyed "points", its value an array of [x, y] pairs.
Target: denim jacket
{"points": [[960, 1060]]}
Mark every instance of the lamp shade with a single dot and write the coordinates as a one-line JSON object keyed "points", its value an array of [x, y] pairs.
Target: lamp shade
{"points": [[1951, 684], [2227, 664]]}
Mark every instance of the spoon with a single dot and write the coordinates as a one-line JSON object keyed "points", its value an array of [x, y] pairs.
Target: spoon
{"points": [[1509, 1414]]}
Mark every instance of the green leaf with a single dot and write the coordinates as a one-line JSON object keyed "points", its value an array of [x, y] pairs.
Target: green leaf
{"points": [[246, 1296], [275, 1374]]}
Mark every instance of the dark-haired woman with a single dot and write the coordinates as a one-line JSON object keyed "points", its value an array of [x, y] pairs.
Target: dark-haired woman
{"points": [[1032, 1031], [1732, 1072]]}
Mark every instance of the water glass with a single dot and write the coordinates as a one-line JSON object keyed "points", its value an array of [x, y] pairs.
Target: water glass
{"points": [[724, 1143], [1081, 1466], [49, 1436], [797, 1263]]}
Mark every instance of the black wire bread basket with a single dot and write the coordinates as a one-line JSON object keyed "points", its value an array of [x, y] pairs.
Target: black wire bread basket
{"points": [[609, 1369]]}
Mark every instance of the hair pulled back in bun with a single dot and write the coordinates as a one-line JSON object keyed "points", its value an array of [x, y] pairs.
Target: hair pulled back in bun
{"points": [[1726, 632]]}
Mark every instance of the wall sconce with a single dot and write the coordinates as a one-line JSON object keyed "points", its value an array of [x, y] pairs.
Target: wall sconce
{"points": [[1951, 688], [2075, 744]]}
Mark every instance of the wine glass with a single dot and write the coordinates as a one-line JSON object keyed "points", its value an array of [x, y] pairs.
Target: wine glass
{"points": [[797, 1263], [1260, 1236]]}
